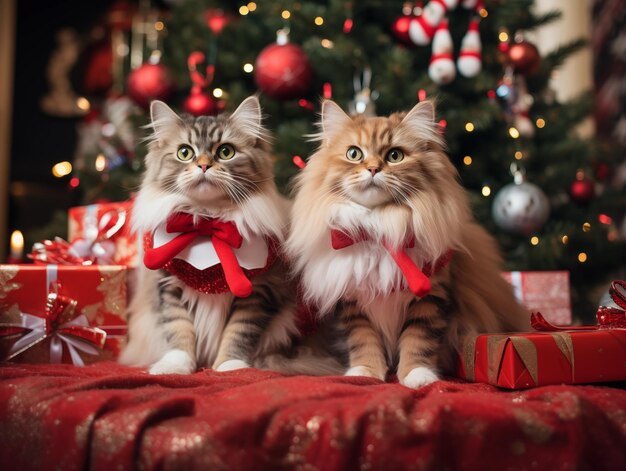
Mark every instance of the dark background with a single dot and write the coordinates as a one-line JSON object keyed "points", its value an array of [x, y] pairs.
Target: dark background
{"points": [[40, 140]]}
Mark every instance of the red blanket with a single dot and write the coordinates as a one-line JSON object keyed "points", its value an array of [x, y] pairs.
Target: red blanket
{"points": [[109, 417]]}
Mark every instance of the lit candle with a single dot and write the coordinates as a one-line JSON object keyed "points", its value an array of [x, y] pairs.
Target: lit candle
{"points": [[17, 247]]}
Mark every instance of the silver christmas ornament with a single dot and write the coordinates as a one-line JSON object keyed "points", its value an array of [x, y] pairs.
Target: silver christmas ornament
{"points": [[520, 207]]}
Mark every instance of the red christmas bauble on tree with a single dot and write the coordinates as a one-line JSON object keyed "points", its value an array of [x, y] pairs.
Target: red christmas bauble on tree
{"points": [[602, 171], [98, 77], [283, 71], [400, 29], [216, 19], [582, 190], [200, 104], [203, 104], [149, 82], [524, 57]]}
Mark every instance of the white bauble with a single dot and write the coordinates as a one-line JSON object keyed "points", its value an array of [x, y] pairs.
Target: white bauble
{"points": [[521, 208]]}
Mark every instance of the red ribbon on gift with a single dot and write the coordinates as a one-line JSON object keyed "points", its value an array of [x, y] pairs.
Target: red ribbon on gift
{"points": [[96, 244], [58, 252], [608, 317], [61, 325]]}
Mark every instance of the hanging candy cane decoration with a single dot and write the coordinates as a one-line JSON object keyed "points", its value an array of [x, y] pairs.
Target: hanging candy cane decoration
{"points": [[199, 103]]}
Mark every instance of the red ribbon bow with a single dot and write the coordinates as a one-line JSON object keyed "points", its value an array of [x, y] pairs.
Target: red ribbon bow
{"points": [[59, 321], [417, 279], [224, 237], [608, 317]]}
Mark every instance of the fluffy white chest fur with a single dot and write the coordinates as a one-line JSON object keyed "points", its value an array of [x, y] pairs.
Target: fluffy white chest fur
{"points": [[363, 272]]}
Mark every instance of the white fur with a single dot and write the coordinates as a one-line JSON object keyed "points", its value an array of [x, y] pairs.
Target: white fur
{"points": [[361, 371], [364, 270], [230, 365], [174, 362], [418, 377]]}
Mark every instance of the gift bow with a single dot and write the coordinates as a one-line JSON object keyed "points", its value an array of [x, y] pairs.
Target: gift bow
{"points": [[59, 252], [417, 279], [224, 237], [60, 325], [96, 245], [608, 317]]}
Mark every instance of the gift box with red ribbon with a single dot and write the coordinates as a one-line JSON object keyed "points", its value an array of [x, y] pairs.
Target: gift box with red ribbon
{"points": [[102, 231], [545, 291], [553, 354], [69, 314]]}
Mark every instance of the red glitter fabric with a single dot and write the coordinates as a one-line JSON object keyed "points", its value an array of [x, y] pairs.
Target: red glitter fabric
{"points": [[107, 416]]}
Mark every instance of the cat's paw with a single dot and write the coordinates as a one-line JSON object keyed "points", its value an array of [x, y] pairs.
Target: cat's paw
{"points": [[230, 365], [364, 371], [174, 362], [418, 377]]}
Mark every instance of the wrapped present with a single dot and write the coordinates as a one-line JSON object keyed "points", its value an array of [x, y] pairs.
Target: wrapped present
{"points": [[547, 292], [69, 314], [102, 231], [552, 355]]}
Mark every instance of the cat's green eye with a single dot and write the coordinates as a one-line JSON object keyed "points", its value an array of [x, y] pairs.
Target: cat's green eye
{"points": [[394, 156], [225, 152], [354, 154], [185, 153]]}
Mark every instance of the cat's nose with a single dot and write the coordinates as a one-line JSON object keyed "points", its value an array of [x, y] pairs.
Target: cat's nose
{"points": [[373, 170], [203, 167]]}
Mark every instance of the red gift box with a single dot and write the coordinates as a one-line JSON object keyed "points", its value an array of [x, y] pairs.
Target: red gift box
{"points": [[51, 313], [547, 292], [519, 361], [106, 223]]}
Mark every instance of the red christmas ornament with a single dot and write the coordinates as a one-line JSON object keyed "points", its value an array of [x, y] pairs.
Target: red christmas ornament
{"points": [[602, 171], [200, 104], [582, 190], [149, 82], [283, 71], [98, 77], [524, 58], [400, 29], [217, 20]]}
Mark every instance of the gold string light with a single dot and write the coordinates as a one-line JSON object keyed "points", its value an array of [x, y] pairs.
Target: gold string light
{"points": [[61, 169]]}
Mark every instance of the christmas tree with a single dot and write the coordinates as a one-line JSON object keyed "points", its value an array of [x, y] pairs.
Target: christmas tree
{"points": [[535, 184]]}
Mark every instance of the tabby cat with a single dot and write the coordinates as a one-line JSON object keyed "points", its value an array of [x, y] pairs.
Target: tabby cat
{"points": [[212, 221], [386, 248]]}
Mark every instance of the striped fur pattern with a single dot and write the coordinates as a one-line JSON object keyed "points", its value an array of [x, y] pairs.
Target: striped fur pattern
{"points": [[398, 185], [173, 328]]}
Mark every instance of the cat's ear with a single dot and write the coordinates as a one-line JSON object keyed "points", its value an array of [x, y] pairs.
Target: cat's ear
{"points": [[423, 112], [333, 117], [247, 117], [420, 123], [163, 118]]}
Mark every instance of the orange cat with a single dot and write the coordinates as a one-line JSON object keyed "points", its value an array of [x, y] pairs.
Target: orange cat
{"points": [[386, 246]]}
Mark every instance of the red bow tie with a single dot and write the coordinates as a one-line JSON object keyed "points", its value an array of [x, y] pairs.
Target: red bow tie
{"points": [[224, 236], [417, 279]]}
